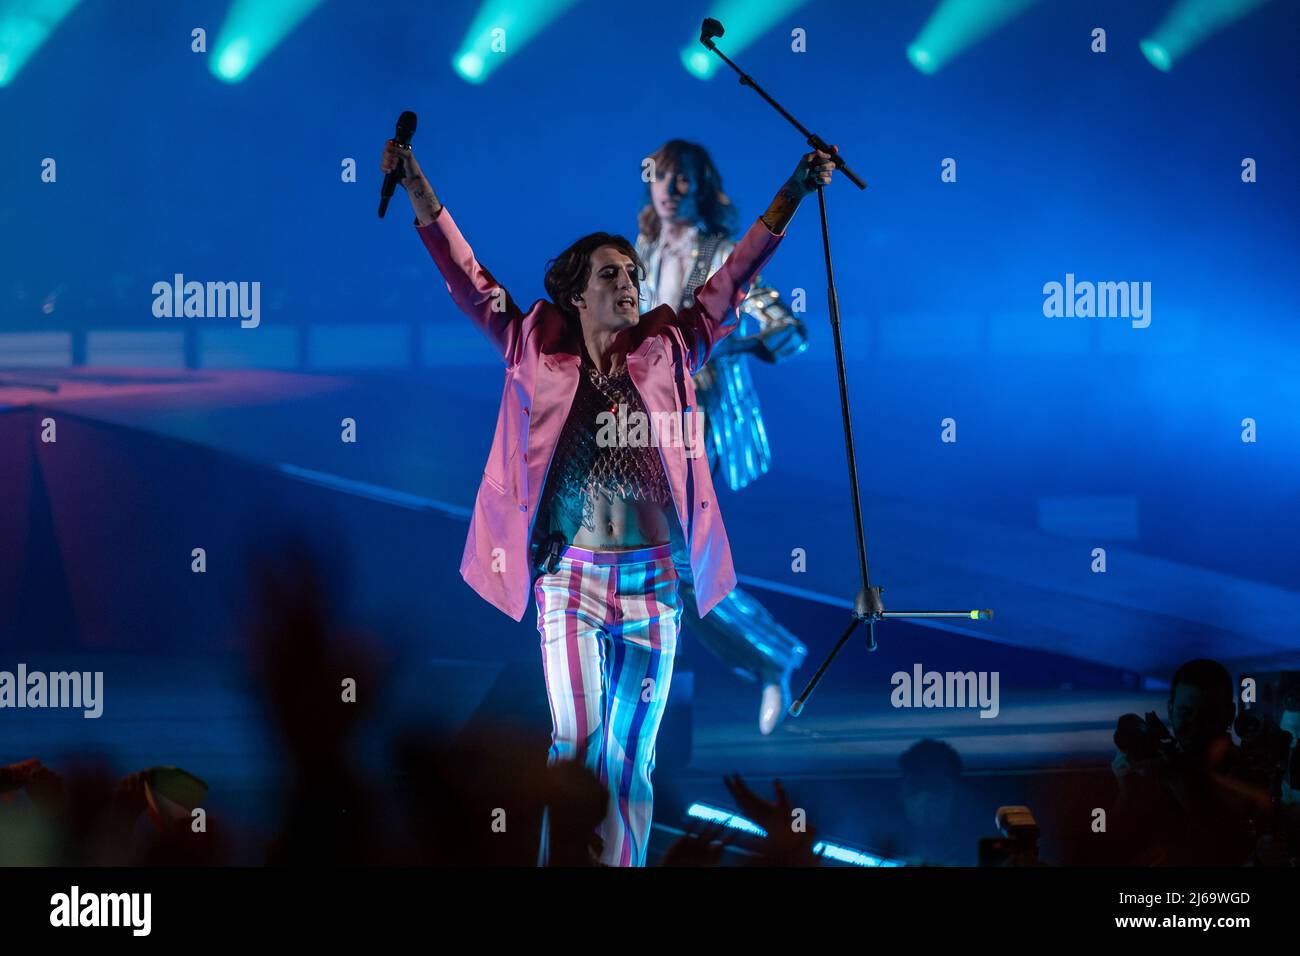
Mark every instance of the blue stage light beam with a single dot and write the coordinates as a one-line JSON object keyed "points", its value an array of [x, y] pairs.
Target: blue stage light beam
{"points": [[24, 26], [1188, 24], [957, 25], [251, 30], [499, 31], [745, 21]]}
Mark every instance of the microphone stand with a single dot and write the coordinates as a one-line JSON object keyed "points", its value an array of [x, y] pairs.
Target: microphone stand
{"points": [[868, 607]]}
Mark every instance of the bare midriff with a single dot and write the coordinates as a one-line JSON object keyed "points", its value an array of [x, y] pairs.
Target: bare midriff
{"points": [[621, 524]]}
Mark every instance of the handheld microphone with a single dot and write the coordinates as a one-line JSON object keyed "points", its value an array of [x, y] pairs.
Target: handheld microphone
{"points": [[405, 130], [709, 29]]}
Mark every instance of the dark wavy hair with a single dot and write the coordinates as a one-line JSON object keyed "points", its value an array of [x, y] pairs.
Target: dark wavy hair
{"points": [[568, 273], [717, 215]]}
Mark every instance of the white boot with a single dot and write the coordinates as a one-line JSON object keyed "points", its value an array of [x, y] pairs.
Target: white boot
{"points": [[774, 704]]}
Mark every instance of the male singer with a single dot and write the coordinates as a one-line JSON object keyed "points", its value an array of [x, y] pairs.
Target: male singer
{"points": [[589, 525]]}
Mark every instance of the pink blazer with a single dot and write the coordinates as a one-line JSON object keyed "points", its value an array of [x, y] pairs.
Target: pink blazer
{"points": [[542, 361]]}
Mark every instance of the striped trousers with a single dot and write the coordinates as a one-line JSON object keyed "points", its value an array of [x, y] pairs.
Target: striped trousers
{"points": [[608, 622]]}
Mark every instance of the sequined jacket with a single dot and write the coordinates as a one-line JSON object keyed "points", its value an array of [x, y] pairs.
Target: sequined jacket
{"points": [[735, 438]]}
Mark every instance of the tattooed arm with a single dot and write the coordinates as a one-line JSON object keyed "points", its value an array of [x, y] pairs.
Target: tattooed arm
{"points": [[713, 315], [784, 204], [472, 287], [813, 170], [423, 199]]}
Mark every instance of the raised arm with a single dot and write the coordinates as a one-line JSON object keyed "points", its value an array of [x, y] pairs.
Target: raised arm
{"points": [[472, 287], [773, 333], [714, 313]]}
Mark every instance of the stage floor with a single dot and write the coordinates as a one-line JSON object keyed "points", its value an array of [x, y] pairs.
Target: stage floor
{"points": [[426, 434]]}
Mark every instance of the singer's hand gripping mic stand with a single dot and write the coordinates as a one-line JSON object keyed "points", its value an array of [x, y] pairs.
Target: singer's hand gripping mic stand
{"points": [[868, 608]]}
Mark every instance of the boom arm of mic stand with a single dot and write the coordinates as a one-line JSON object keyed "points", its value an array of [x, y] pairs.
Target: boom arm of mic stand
{"points": [[813, 140]]}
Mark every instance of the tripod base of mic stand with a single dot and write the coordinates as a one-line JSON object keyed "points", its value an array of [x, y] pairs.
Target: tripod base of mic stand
{"points": [[868, 608]]}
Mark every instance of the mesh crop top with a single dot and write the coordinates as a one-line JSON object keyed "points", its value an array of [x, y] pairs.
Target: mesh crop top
{"points": [[582, 466]]}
